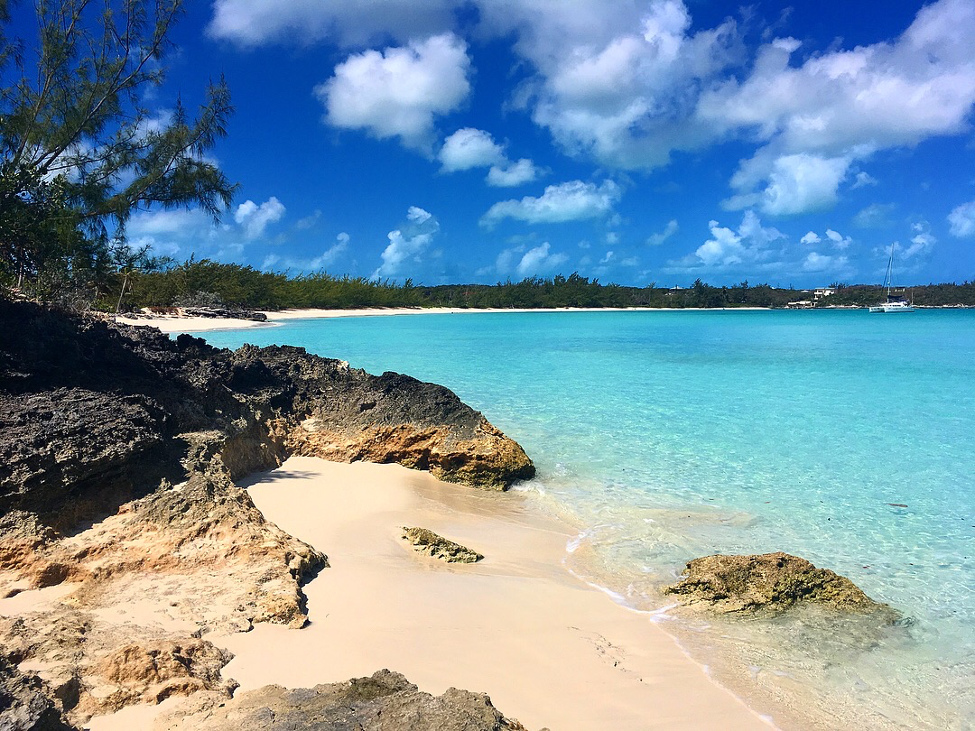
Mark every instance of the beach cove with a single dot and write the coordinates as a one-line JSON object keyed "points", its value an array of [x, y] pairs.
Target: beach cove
{"points": [[123, 615], [576, 558], [739, 432]]}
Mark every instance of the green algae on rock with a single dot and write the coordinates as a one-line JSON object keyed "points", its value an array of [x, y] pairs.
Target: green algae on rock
{"points": [[770, 581]]}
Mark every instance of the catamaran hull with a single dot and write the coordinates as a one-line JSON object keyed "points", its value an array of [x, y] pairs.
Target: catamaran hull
{"points": [[890, 309]]}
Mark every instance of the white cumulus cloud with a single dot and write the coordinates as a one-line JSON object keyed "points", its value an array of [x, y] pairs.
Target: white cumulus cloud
{"points": [[794, 183], [257, 22], [838, 240], [469, 148], [821, 115], [876, 215], [255, 218], [572, 201], [536, 261], [539, 260], [661, 236], [922, 242], [728, 248], [810, 238], [616, 80], [408, 243], [511, 174], [962, 220], [818, 263], [398, 92]]}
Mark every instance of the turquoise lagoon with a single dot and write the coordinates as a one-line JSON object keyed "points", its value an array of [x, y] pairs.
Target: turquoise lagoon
{"points": [[843, 437]]}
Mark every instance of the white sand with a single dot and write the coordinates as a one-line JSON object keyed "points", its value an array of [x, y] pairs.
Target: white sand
{"points": [[179, 324], [548, 650]]}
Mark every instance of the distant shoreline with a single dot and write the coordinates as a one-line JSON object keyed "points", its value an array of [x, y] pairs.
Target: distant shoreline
{"points": [[181, 323], [187, 324]]}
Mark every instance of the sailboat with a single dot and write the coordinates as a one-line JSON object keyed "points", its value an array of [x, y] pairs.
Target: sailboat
{"points": [[895, 302]]}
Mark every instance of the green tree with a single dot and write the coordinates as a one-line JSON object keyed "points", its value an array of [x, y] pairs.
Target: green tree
{"points": [[79, 149]]}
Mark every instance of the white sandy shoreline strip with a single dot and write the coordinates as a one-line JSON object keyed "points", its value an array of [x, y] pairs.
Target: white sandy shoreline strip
{"points": [[549, 650], [178, 324]]}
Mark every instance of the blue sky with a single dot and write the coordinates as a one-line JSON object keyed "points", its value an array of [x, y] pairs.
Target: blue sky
{"points": [[634, 141]]}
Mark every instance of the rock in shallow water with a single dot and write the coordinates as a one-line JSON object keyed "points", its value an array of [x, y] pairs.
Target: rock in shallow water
{"points": [[428, 542], [772, 581]]}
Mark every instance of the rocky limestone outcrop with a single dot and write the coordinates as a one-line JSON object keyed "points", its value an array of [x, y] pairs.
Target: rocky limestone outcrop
{"points": [[770, 581], [23, 703], [119, 448], [147, 583], [238, 568], [151, 672], [93, 414], [384, 702], [426, 541]]}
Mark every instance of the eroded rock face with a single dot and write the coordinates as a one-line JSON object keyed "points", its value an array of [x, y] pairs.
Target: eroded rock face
{"points": [[181, 562], [396, 418], [384, 702], [770, 581], [151, 672], [428, 542], [99, 420], [23, 703], [94, 414], [238, 568]]}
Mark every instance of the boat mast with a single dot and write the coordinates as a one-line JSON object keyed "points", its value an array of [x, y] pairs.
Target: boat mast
{"points": [[890, 267]]}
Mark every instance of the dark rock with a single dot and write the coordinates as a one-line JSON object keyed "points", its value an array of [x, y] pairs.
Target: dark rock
{"points": [[145, 434], [772, 581], [384, 702], [23, 703], [428, 542], [93, 414], [236, 313]]}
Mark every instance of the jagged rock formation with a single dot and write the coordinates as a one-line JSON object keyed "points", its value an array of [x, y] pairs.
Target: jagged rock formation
{"points": [[428, 542], [207, 527], [23, 704], [384, 702], [94, 414], [771, 581], [144, 436]]}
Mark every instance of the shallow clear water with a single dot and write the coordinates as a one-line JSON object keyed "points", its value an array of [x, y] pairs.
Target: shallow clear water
{"points": [[670, 435]]}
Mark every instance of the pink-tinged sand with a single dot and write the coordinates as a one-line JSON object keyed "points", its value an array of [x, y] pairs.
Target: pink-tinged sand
{"points": [[549, 650]]}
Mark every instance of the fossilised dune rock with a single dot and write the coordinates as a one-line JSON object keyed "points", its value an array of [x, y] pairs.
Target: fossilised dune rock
{"points": [[384, 702], [428, 542], [396, 418], [154, 671], [772, 581], [198, 554], [238, 568]]}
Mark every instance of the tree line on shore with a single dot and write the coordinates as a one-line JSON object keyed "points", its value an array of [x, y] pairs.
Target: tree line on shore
{"points": [[204, 282], [80, 153]]}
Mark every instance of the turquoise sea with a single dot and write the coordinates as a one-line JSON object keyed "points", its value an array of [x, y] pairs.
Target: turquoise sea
{"points": [[842, 437]]}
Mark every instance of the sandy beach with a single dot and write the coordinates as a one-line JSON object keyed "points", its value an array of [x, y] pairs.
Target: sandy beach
{"points": [[549, 650], [180, 324]]}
